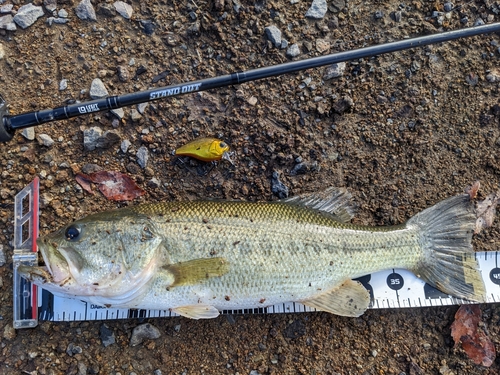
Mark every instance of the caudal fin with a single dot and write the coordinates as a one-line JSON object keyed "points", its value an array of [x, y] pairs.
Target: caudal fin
{"points": [[448, 262]]}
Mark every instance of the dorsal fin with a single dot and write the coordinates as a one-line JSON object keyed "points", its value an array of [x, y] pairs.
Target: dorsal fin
{"points": [[336, 201]]}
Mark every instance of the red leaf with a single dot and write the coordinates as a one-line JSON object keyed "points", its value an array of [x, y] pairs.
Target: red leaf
{"points": [[114, 185], [475, 342], [84, 181]]}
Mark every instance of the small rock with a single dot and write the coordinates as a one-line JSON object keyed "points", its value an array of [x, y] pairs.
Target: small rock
{"points": [[177, 327], [342, 105], [334, 71], [142, 156], [317, 10], [154, 183], [148, 26], [97, 89], [50, 5], [63, 85], [135, 115], [478, 22], [252, 100], [448, 7], [107, 140], [29, 133], [63, 13], [125, 145], [45, 140], [91, 168], [118, 112], [107, 335], [7, 8], [141, 108], [322, 45], [397, 16], [124, 9], [274, 35], [27, 15], [295, 330], [123, 73], [144, 332], [7, 23], [85, 11], [378, 15], [293, 51], [337, 5], [9, 332], [73, 349], [278, 188], [2, 256], [90, 137]]}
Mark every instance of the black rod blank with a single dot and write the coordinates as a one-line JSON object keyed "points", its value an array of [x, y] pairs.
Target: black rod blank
{"points": [[9, 124]]}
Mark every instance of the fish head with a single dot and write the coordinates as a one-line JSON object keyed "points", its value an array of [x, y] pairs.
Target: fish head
{"points": [[109, 254]]}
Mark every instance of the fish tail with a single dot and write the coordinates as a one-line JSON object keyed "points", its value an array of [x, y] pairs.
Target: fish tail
{"points": [[448, 261]]}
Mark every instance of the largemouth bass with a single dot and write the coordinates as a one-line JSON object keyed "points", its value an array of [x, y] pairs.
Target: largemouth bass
{"points": [[198, 258]]}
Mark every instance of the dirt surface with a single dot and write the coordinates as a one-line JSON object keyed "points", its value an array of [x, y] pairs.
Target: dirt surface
{"points": [[401, 131]]}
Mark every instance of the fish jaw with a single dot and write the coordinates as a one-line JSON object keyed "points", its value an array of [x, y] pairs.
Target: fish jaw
{"points": [[56, 264]]}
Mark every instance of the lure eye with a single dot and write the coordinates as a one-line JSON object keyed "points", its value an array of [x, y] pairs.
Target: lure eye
{"points": [[72, 233], [222, 145]]}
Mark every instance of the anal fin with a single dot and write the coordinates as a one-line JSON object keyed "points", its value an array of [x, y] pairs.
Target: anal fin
{"points": [[199, 311], [350, 299]]}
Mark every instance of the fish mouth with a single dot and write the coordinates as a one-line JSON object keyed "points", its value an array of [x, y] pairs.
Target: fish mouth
{"points": [[56, 268]]}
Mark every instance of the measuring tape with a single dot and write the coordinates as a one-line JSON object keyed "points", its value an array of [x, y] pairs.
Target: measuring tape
{"points": [[395, 288]]}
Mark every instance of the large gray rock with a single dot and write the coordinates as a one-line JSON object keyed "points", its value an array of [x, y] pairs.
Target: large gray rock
{"points": [[85, 11], [317, 10], [27, 15]]}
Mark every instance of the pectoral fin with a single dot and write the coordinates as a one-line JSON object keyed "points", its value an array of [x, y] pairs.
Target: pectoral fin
{"points": [[197, 311], [197, 270], [351, 299]]}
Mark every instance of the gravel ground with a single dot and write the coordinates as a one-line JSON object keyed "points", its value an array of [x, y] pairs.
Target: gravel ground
{"points": [[400, 131]]}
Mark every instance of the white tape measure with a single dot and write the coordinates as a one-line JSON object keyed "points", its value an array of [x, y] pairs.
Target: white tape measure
{"points": [[395, 288]]}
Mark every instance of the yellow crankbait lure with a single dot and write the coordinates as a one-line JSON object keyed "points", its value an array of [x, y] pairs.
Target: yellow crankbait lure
{"points": [[205, 149]]}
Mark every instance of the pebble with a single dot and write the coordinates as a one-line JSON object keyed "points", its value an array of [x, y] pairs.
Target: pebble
{"points": [[107, 140], [144, 332], [63, 85], [125, 145], [118, 112], [293, 51], [85, 11], [317, 10], [142, 156], [334, 71], [7, 23], [278, 188], [73, 349], [448, 7], [123, 73], [378, 15], [124, 9], [135, 115], [90, 137], [27, 15], [7, 8], [50, 5], [2, 256], [337, 5], [9, 332], [45, 140], [154, 183], [97, 89], [142, 107], [63, 13], [29, 133], [478, 22], [177, 327], [274, 35], [107, 335]]}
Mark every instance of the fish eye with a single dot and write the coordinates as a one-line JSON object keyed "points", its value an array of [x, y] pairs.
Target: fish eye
{"points": [[222, 145], [72, 233]]}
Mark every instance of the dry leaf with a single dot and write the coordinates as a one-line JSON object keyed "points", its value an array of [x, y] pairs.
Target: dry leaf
{"points": [[486, 211], [472, 190], [475, 342], [114, 185], [84, 181]]}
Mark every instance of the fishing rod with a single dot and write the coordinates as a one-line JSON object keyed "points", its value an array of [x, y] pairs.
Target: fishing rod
{"points": [[10, 123]]}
